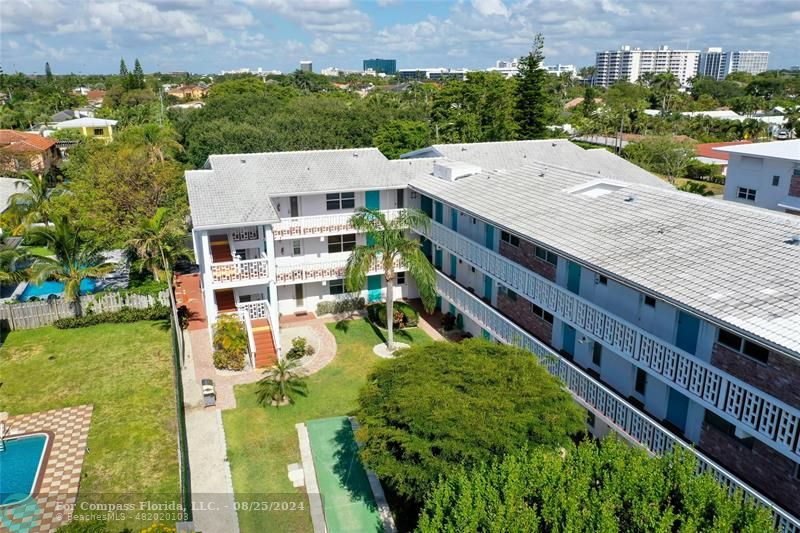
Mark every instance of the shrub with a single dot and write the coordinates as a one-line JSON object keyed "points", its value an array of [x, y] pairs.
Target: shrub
{"points": [[124, 315], [448, 321], [345, 305], [230, 343], [405, 316], [300, 348]]}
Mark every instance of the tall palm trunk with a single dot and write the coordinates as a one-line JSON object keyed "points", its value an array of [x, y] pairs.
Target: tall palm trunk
{"points": [[390, 310]]}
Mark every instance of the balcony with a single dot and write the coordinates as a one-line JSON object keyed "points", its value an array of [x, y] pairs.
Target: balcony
{"points": [[768, 419], [317, 226], [619, 414], [292, 273], [240, 272]]}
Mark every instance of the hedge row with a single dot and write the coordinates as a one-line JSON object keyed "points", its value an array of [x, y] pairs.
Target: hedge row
{"points": [[126, 314], [377, 314]]}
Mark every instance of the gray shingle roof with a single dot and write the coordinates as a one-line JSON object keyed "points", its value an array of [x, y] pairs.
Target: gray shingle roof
{"points": [[514, 154], [236, 188], [725, 261]]}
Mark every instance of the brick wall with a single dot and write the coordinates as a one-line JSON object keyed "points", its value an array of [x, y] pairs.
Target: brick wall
{"points": [[525, 255], [763, 468], [779, 377], [794, 186], [520, 312]]}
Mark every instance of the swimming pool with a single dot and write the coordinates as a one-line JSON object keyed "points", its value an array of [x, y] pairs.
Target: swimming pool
{"points": [[47, 288], [21, 462]]}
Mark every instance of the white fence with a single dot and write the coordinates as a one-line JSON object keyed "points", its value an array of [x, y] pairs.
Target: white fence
{"points": [[29, 315]]}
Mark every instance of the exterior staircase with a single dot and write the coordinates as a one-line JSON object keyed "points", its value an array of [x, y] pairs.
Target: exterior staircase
{"points": [[220, 250], [265, 346], [226, 302]]}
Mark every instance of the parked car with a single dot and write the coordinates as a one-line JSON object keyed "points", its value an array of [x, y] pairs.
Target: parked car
{"points": [[782, 135]]}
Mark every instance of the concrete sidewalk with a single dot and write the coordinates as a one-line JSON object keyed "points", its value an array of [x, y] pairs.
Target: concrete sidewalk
{"points": [[212, 489]]}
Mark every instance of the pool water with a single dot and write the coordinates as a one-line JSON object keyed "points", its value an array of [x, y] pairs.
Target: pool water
{"points": [[47, 288], [20, 463]]}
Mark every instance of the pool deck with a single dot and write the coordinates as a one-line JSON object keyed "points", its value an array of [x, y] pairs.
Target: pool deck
{"points": [[58, 490]]}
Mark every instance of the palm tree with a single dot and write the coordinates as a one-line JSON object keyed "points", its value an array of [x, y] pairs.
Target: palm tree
{"points": [[280, 383], [387, 243], [74, 260], [158, 241], [32, 204], [159, 142], [695, 187], [11, 264]]}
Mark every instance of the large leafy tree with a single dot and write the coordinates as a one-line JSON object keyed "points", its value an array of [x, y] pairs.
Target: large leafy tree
{"points": [[441, 405], [663, 155], [389, 242], [75, 258], [532, 104], [608, 487], [397, 137]]}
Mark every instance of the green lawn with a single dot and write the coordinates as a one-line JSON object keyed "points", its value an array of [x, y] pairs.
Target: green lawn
{"points": [[716, 188], [125, 371], [262, 441]]}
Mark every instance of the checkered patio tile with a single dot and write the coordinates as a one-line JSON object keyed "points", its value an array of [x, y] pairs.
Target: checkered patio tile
{"points": [[69, 429]]}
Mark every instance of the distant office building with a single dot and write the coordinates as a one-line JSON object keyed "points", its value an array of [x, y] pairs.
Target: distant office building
{"points": [[628, 64], [432, 74], [306, 66], [717, 64], [385, 66], [561, 69], [510, 68]]}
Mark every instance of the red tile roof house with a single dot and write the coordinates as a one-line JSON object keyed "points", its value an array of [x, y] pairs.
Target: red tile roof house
{"points": [[707, 154], [26, 151]]}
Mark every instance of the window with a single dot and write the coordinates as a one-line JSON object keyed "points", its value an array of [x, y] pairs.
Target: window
{"points": [[641, 381], [776, 180], [511, 295], [747, 194], [413, 195], [98, 131], [400, 279], [729, 429], [340, 200], [546, 255], [506, 237], [296, 247], [541, 313], [597, 353], [602, 280], [341, 243], [748, 348], [649, 301], [336, 286], [401, 198]]}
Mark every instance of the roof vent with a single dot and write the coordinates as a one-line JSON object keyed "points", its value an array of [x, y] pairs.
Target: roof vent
{"points": [[794, 240], [355, 154], [454, 170], [243, 161], [629, 199]]}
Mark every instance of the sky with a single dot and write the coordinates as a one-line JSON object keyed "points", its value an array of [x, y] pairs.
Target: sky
{"points": [[206, 36]]}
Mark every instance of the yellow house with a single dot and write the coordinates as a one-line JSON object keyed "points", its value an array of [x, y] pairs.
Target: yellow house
{"points": [[96, 128]]}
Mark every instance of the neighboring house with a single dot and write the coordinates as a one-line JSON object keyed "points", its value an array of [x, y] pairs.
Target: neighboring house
{"points": [[26, 151], [670, 317], [95, 97], [575, 102], [707, 153], [188, 105], [188, 92], [94, 128], [765, 175]]}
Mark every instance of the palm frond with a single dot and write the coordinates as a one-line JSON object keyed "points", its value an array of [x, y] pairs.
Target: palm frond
{"points": [[424, 275], [358, 265]]}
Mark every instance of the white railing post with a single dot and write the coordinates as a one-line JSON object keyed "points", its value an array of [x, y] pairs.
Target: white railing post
{"points": [[244, 316]]}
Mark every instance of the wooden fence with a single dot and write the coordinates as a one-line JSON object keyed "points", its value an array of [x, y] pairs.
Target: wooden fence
{"points": [[29, 315]]}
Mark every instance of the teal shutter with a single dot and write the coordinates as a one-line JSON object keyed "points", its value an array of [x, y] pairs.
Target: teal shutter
{"points": [[438, 212], [426, 204], [374, 288], [372, 199], [453, 265], [489, 235], [454, 219]]}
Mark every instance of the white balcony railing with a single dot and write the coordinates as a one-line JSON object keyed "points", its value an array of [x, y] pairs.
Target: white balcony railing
{"points": [[259, 309], [236, 271], [619, 414], [288, 274], [766, 417], [244, 316], [245, 233], [315, 226]]}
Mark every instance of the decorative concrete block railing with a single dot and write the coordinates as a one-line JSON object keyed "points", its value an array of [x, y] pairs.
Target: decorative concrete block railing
{"points": [[235, 271], [315, 226], [289, 274], [767, 418], [620, 415]]}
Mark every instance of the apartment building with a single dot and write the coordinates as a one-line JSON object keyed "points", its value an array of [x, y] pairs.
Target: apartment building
{"points": [[670, 317], [718, 64], [628, 64], [764, 175]]}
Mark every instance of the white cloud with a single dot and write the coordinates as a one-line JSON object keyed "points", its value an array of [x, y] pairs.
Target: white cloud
{"points": [[318, 46], [490, 7], [609, 6]]}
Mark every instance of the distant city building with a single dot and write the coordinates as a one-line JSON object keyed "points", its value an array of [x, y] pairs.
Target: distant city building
{"points": [[561, 69], [510, 67], [385, 66], [306, 66], [717, 64], [433, 74], [628, 64]]}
